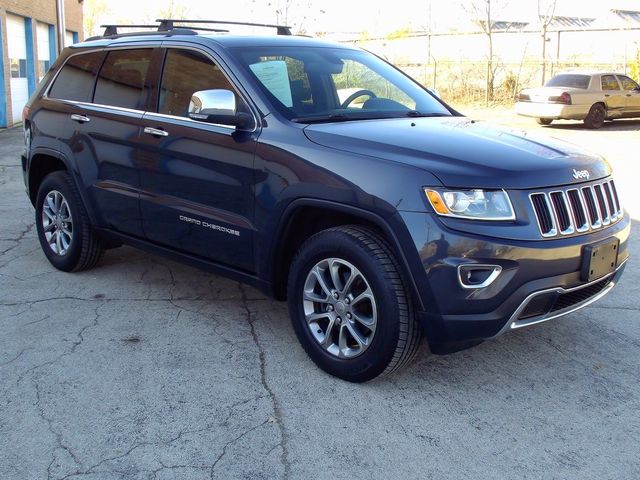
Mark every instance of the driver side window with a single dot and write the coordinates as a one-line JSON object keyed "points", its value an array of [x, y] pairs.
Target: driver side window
{"points": [[187, 72]]}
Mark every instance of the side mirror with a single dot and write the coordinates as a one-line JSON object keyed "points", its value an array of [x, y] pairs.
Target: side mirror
{"points": [[218, 106]]}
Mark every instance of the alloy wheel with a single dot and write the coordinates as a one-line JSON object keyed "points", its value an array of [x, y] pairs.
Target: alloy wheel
{"points": [[340, 308]]}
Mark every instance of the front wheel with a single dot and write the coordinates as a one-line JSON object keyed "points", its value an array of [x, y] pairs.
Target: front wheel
{"points": [[349, 305], [544, 121]]}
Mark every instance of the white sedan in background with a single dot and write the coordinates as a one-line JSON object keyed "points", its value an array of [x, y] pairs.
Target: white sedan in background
{"points": [[590, 97]]}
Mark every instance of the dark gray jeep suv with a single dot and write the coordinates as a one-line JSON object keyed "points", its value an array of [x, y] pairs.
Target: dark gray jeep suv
{"points": [[320, 174]]}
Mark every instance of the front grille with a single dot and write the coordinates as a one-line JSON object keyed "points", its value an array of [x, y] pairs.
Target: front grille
{"points": [[570, 210], [569, 299]]}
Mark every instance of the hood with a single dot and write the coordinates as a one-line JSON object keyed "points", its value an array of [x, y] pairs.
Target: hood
{"points": [[464, 153]]}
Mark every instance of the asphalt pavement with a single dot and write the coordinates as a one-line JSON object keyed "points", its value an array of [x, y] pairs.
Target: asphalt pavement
{"points": [[143, 368]]}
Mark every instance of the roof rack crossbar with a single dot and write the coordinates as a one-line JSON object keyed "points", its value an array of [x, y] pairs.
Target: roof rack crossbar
{"points": [[112, 29], [168, 24]]}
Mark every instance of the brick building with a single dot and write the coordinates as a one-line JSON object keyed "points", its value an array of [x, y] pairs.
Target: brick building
{"points": [[29, 33]]}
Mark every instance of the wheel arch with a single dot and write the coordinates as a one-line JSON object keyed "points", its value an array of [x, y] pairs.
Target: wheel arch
{"points": [[310, 216], [44, 161]]}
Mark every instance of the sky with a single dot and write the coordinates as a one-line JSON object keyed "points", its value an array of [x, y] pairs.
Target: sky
{"points": [[375, 17]]}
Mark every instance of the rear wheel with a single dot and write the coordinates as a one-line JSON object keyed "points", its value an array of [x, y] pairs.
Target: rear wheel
{"points": [[544, 121], [596, 116], [64, 230], [349, 306]]}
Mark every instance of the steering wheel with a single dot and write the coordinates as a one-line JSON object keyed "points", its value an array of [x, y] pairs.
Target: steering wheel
{"points": [[355, 95]]}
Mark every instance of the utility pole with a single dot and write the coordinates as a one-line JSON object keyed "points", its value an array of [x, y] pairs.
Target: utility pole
{"points": [[60, 24]]}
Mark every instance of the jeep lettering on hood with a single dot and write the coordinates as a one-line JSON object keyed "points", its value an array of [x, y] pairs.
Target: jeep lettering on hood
{"points": [[464, 153]]}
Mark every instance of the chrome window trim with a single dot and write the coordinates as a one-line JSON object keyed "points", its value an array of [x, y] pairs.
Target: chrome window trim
{"points": [[131, 110]]}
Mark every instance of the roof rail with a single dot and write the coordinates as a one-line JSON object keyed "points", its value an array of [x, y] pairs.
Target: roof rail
{"points": [[167, 24]]}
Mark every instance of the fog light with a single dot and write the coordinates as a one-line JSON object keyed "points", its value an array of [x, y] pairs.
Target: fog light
{"points": [[477, 276]]}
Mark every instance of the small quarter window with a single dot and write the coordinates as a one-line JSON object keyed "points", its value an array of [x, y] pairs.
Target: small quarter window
{"points": [[122, 79], [609, 82], [77, 77], [187, 72]]}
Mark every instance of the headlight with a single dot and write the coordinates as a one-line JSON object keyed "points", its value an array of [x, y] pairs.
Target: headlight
{"points": [[472, 204]]}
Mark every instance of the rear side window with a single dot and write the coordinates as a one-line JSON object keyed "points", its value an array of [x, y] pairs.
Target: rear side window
{"points": [[609, 82], [186, 72], [569, 80], [76, 78], [122, 79], [627, 83]]}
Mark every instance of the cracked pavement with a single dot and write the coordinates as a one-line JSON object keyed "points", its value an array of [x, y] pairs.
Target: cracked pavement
{"points": [[143, 368]]}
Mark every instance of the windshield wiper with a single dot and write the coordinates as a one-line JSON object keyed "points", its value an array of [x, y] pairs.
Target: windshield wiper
{"points": [[335, 117], [416, 113]]}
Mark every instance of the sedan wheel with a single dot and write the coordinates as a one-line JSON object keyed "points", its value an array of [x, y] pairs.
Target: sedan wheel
{"points": [[595, 117]]}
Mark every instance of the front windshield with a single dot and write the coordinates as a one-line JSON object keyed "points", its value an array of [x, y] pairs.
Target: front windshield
{"points": [[315, 84]]}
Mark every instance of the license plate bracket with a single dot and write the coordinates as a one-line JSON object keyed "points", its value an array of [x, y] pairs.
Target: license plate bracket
{"points": [[599, 259]]}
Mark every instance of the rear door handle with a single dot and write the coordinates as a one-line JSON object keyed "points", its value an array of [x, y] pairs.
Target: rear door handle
{"points": [[156, 132], [607, 95], [80, 118]]}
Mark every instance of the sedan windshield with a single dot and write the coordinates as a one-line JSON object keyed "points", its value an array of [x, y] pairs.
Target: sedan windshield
{"points": [[317, 84], [569, 81]]}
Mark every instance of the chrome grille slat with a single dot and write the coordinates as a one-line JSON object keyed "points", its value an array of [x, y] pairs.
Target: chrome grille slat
{"points": [[570, 210], [602, 205], [578, 210]]}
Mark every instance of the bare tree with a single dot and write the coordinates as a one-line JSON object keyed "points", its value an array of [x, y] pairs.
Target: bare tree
{"points": [[546, 12], [481, 12]]}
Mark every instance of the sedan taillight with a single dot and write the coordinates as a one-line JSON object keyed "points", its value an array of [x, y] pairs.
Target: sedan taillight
{"points": [[524, 97], [563, 98]]}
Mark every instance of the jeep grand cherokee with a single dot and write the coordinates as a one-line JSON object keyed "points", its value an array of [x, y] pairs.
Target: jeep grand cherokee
{"points": [[383, 217]]}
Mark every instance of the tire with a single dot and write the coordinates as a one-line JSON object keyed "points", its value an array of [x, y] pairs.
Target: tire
{"points": [[595, 117], [69, 245], [392, 332], [544, 121]]}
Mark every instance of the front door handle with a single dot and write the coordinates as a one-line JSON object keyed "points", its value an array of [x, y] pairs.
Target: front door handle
{"points": [[80, 118], [156, 132]]}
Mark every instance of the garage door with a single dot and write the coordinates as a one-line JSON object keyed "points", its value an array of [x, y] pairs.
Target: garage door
{"points": [[17, 50], [44, 50], [68, 38]]}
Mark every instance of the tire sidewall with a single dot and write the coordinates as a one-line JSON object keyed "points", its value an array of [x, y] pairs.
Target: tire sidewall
{"points": [[378, 355], [591, 121], [59, 181]]}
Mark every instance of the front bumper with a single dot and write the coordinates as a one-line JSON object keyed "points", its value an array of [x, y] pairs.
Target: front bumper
{"points": [[539, 280], [552, 111]]}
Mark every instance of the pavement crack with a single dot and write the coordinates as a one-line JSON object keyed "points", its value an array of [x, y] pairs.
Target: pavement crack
{"points": [[58, 435], [277, 410], [8, 362], [21, 236], [231, 442]]}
